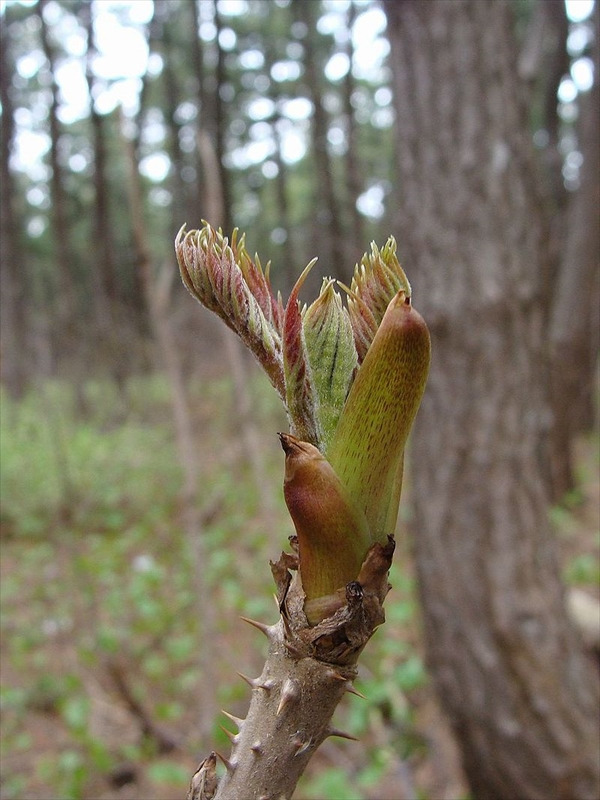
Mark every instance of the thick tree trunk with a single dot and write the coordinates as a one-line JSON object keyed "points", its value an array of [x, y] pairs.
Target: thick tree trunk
{"points": [[508, 668]]}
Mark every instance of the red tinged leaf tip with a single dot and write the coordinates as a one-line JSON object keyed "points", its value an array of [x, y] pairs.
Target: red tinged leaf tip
{"points": [[298, 389]]}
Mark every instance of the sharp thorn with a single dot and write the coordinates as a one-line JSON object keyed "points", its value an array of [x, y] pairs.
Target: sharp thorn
{"points": [[252, 682], [266, 685], [261, 626], [351, 690], [230, 767], [236, 720], [249, 681], [232, 736], [257, 748], [341, 734], [336, 675]]}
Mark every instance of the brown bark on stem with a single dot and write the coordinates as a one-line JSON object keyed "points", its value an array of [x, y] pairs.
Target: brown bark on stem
{"points": [[307, 672]]}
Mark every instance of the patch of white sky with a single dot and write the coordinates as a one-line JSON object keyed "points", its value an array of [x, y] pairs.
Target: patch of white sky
{"points": [[123, 58]]}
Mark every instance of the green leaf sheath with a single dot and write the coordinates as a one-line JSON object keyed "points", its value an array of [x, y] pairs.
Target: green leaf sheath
{"points": [[367, 448]]}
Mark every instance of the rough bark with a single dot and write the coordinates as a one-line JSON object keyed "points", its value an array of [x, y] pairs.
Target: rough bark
{"points": [[509, 670]]}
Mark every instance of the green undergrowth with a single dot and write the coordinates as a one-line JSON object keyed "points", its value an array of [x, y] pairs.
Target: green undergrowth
{"points": [[98, 576]]}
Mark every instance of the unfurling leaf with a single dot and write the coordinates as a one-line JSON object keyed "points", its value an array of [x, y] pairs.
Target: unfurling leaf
{"points": [[224, 278]]}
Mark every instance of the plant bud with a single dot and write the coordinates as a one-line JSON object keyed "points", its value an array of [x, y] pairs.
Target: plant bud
{"points": [[331, 355], [367, 448], [333, 535]]}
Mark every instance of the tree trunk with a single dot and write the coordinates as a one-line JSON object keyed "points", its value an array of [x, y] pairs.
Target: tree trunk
{"points": [[327, 220], [575, 317], [103, 274], [64, 259], [202, 101], [12, 265], [354, 181], [220, 125], [170, 102], [156, 295], [509, 670]]}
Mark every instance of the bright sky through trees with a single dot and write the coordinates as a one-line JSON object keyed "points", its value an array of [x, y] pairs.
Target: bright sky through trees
{"points": [[123, 58]]}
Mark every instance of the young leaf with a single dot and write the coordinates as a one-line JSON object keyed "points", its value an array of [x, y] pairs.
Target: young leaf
{"points": [[240, 295]]}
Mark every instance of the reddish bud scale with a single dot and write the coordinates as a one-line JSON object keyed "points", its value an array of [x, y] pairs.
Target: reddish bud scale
{"points": [[333, 536]]}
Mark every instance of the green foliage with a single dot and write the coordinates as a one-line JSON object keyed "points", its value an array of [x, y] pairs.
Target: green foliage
{"points": [[583, 570], [333, 783]]}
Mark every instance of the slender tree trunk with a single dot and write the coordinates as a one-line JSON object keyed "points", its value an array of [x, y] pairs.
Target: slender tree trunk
{"points": [[156, 293], [64, 258], [103, 273], [197, 59], [356, 238], [171, 100], [13, 360], [288, 265], [575, 325], [509, 670], [220, 126], [327, 220]]}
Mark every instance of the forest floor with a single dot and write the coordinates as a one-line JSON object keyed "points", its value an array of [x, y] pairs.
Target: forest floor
{"points": [[101, 638]]}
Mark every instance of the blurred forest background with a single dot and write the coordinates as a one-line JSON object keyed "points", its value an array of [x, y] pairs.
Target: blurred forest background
{"points": [[140, 482]]}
